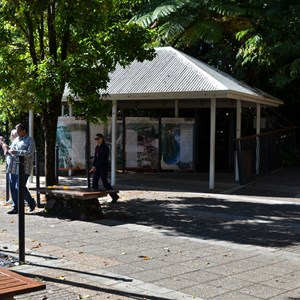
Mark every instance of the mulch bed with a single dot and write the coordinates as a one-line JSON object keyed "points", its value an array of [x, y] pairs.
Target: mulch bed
{"points": [[8, 261]]}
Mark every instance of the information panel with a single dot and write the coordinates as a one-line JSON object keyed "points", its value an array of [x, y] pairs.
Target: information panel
{"points": [[142, 143], [71, 140], [177, 144]]}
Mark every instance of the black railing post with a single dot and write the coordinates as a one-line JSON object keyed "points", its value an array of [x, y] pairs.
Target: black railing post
{"points": [[7, 187], [37, 180], [7, 175], [88, 154], [21, 185], [56, 163]]}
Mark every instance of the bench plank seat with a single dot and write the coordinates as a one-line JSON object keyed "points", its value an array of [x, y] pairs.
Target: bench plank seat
{"points": [[12, 284]]}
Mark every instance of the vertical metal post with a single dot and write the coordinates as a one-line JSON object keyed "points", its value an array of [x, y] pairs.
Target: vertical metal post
{"points": [[238, 134], [56, 163], [123, 144], [176, 111], [212, 155], [113, 142], [31, 133], [258, 120], [88, 154], [37, 180], [21, 184], [7, 175], [159, 143]]}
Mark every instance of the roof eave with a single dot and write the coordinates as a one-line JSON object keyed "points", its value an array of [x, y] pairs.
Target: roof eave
{"points": [[198, 95]]}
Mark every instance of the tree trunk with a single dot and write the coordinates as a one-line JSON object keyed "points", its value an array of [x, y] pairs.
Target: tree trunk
{"points": [[49, 119]]}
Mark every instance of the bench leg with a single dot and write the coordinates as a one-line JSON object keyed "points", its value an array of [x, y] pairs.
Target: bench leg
{"points": [[85, 210]]}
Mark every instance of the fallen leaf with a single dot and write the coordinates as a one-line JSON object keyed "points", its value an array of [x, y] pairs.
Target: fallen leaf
{"points": [[145, 257], [62, 277]]}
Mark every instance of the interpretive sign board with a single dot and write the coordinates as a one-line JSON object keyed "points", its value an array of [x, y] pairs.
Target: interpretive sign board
{"points": [[142, 143], [71, 141], [177, 144]]}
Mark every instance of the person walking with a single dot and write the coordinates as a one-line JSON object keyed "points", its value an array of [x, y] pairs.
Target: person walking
{"points": [[5, 147], [100, 166], [23, 145]]}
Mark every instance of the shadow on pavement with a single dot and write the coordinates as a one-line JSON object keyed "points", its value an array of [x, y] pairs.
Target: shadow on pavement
{"points": [[94, 288], [261, 224]]}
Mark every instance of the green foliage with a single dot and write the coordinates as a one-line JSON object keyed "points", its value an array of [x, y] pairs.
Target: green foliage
{"points": [[257, 41], [45, 44]]}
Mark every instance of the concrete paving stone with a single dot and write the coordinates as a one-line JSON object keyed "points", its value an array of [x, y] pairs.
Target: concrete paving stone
{"points": [[180, 296], [200, 276], [155, 289], [230, 283], [246, 264], [107, 279], [90, 286], [149, 263], [52, 292], [116, 254], [288, 282], [150, 275], [174, 282], [254, 276], [236, 296], [222, 258], [47, 247], [272, 269], [290, 295], [125, 269], [268, 259], [92, 248], [186, 267], [204, 291], [224, 269], [292, 265], [262, 291]]}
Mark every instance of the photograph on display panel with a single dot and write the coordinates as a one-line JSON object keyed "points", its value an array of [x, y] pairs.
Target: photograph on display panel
{"points": [[71, 140], [177, 138], [142, 143]]}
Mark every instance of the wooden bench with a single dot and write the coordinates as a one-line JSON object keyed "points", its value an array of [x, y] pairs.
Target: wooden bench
{"points": [[73, 202], [12, 284]]}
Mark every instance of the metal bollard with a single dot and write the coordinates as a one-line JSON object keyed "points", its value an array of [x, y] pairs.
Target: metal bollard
{"points": [[37, 179], [21, 184], [56, 163]]}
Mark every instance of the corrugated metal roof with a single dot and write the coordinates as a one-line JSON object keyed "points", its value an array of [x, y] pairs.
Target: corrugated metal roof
{"points": [[172, 71], [181, 76]]}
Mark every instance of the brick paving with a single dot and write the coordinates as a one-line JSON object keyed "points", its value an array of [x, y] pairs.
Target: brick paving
{"points": [[163, 243]]}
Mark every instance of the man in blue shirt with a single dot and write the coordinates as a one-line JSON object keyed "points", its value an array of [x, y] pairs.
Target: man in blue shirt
{"points": [[23, 145]]}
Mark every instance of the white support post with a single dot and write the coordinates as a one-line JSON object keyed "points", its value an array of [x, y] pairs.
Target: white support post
{"points": [[176, 109], [62, 110], [212, 143], [70, 173], [31, 134], [258, 125], [238, 134], [113, 142], [70, 110]]}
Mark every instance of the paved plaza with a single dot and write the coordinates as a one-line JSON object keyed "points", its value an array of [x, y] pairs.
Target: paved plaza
{"points": [[169, 238]]}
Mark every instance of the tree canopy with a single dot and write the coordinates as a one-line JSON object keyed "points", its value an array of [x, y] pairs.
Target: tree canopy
{"points": [[257, 41], [46, 44]]}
